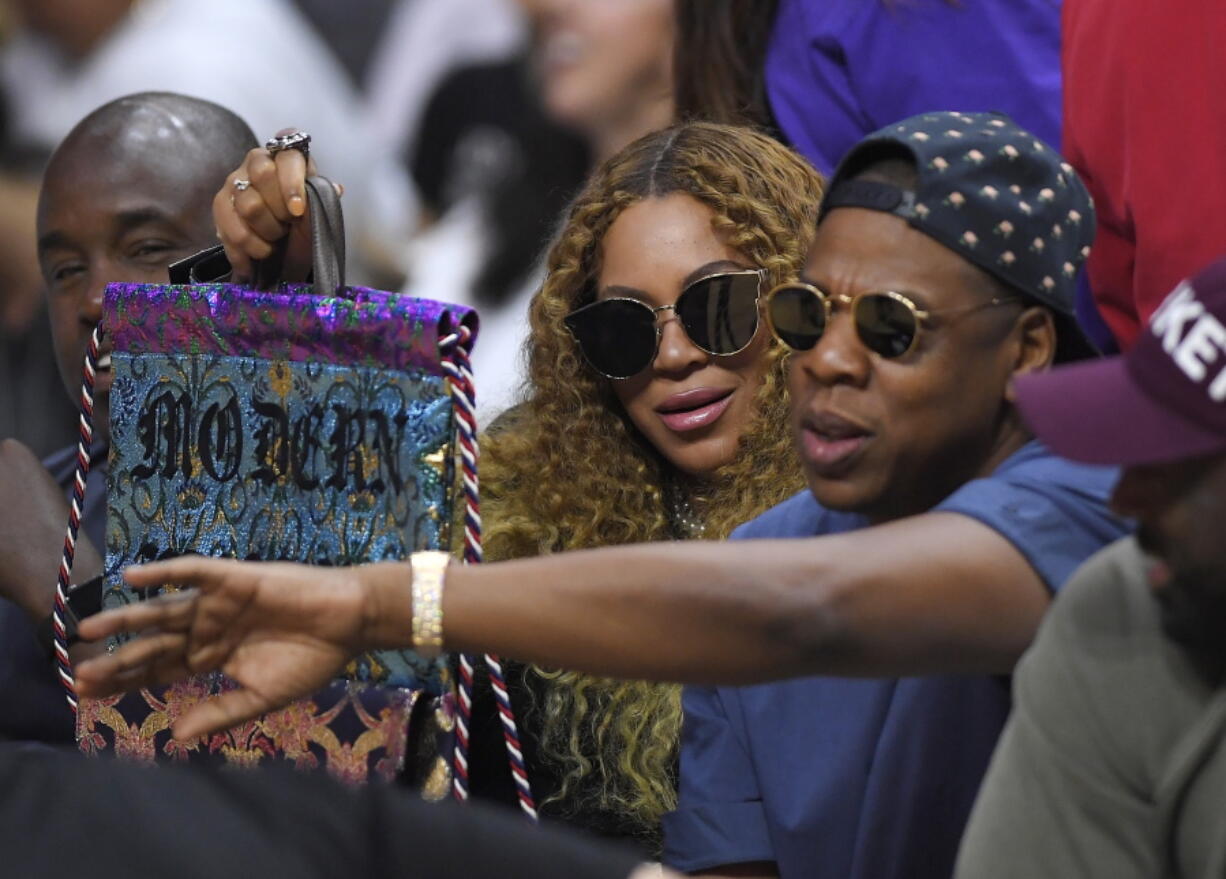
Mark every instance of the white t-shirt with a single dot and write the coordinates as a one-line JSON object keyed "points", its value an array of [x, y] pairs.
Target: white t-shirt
{"points": [[446, 258], [259, 58]]}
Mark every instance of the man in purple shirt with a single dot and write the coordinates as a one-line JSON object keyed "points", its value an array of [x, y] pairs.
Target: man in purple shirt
{"points": [[837, 70]]}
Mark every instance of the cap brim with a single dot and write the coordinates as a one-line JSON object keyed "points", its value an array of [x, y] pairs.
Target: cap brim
{"points": [[1094, 412]]}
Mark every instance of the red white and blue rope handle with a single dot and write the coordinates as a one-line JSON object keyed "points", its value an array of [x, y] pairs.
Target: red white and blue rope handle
{"points": [[63, 578], [463, 395]]}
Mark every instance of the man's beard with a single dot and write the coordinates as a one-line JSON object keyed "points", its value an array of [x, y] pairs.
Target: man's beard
{"points": [[1193, 608]]}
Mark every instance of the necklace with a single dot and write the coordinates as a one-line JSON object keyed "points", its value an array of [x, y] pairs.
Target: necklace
{"points": [[683, 521]]}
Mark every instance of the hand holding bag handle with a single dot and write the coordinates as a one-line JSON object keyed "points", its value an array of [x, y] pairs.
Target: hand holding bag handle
{"points": [[327, 221], [327, 244]]}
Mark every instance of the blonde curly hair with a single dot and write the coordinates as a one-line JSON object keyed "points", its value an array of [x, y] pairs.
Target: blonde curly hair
{"points": [[541, 493]]}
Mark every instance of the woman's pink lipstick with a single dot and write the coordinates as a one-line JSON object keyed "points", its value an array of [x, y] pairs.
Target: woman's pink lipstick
{"points": [[690, 410]]}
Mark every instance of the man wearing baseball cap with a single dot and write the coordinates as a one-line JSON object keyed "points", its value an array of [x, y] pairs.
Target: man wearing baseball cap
{"points": [[1114, 761], [981, 227]]}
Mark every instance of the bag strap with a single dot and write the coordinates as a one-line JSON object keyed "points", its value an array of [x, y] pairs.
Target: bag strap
{"points": [[327, 236], [455, 349], [85, 438], [327, 244]]}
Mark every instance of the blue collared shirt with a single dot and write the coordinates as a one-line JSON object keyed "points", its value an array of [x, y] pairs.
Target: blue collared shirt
{"points": [[871, 778]]}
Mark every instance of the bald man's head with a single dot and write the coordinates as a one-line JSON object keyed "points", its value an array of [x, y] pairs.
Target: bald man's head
{"points": [[128, 192], [217, 130], [188, 142]]}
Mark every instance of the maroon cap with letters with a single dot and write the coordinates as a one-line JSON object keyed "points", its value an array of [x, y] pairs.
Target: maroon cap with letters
{"points": [[1162, 401]]}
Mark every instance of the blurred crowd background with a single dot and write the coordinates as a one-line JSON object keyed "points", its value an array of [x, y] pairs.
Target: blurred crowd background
{"points": [[462, 128], [459, 128]]}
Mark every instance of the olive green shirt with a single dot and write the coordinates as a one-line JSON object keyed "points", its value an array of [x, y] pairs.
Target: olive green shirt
{"points": [[1113, 763]]}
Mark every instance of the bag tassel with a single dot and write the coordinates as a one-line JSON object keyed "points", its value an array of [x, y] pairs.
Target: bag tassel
{"points": [[463, 396]]}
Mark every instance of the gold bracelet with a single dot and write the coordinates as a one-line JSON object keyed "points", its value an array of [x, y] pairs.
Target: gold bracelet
{"points": [[429, 572]]}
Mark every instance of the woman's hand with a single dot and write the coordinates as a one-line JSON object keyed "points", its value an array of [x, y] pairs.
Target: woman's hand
{"points": [[252, 220], [280, 630]]}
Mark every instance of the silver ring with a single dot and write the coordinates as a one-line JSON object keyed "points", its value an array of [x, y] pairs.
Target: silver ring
{"points": [[242, 185], [294, 140]]}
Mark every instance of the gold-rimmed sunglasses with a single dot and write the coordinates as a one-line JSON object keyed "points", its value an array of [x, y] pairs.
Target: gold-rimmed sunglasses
{"points": [[888, 323]]}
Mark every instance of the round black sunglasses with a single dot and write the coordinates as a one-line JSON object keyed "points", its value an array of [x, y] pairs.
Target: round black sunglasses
{"points": [[619, 337]]}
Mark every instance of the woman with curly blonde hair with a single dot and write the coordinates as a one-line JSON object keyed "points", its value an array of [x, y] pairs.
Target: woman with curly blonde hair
{"points": [[655, 409]]}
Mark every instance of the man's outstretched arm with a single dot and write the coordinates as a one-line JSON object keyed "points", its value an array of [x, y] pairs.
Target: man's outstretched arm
{"points": [[936, 593]]}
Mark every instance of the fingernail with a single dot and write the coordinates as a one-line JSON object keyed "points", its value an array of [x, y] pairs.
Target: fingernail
{"points": [[296, 205]]}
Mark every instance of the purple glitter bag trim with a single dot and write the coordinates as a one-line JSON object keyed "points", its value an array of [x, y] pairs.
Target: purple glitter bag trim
{"points": [[374, 328]]}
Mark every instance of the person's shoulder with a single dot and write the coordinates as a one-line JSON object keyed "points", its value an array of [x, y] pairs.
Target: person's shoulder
{"points": [[1055, 512], [1035, 464], [1105, 618], [798, 516], [1109, 594], [805, 20], [1033, 480], [1102, 656]]}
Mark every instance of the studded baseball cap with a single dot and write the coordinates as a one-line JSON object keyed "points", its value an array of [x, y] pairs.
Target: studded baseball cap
{"points": [[1162, 401], [994, 194]]}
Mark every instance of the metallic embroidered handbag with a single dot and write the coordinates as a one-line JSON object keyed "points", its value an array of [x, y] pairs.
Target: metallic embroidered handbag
{"points": [[312, 423]]}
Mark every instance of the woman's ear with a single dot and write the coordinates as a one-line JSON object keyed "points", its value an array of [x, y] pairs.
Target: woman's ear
{"points": [[1035, 331]]}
